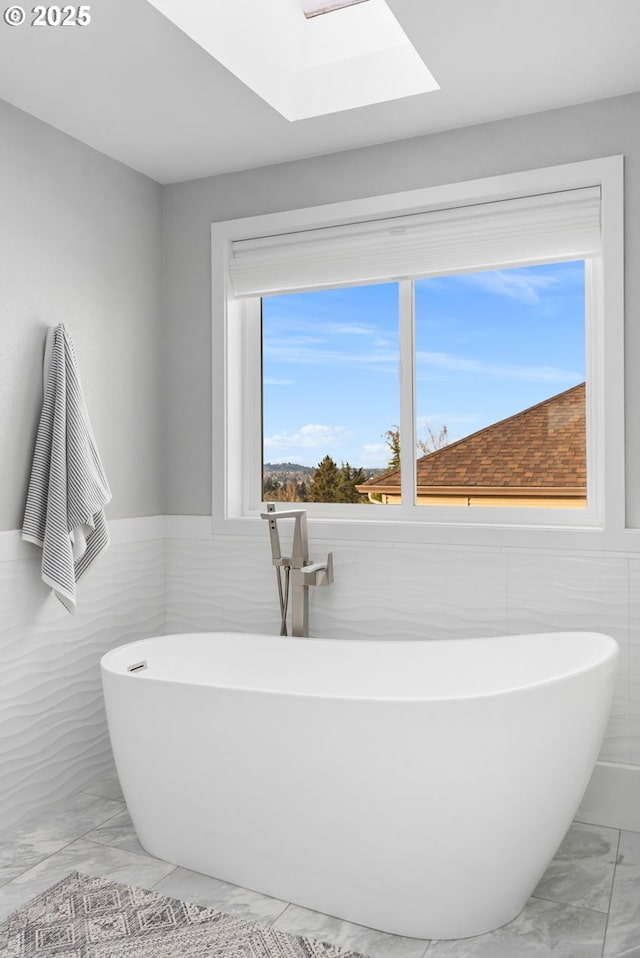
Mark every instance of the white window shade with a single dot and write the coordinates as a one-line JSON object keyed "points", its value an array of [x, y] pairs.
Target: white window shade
{"points": [[523, 230]]}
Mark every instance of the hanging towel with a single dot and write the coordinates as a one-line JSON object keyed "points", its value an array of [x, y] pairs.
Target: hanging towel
{"points": [[68, 489]]}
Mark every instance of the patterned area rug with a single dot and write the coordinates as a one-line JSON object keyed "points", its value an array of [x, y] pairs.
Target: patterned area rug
{"points": [[83, 917]]}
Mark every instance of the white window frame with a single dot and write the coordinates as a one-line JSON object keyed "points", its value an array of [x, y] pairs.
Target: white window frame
{"points": [[237, 386]]}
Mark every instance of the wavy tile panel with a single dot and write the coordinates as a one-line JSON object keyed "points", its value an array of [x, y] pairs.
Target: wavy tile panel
{"points": [[549, 592], [380, 592], [220, 586], [634, 659], [416, 592], [53, 736]]}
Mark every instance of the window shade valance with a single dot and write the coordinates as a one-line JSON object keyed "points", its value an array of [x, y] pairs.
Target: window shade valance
{"points": [[526, 229]]}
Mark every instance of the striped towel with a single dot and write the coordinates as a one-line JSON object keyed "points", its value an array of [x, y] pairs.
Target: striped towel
{"points": [[68, 489]]}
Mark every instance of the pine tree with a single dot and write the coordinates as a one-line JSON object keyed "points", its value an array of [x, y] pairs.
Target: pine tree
{"points": [[331, 483], [324, 483], [393, 441], [348, 478]]}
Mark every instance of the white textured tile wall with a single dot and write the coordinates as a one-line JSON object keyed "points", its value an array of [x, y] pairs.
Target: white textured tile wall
{"points": [[548, 592], [410, 591], [220, 586], [634, 660], [53, 736]]}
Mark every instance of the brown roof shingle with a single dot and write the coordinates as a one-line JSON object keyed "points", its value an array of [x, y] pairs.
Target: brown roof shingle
{"points": [[541, 447]]}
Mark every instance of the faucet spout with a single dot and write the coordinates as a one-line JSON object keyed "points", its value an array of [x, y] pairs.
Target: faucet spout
{"points": [[300, 544]]}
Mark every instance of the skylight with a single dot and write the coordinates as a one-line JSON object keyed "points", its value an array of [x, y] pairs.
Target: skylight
{"points": [[304, 64]]}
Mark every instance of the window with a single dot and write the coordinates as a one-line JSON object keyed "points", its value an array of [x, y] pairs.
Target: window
{"points": [[439, 356], [329, 391], [500, 388], [499, 382]]}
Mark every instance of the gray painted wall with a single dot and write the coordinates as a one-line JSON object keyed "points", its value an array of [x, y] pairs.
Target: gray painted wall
{"points": [[576, 133], [80, 243], [82, 240]]}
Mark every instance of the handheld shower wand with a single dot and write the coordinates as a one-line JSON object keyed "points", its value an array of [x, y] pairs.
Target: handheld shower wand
{"points": [[281, 565]]}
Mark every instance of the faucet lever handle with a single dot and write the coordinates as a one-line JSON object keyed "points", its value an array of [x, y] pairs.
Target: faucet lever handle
{"points": [[319, 573]]}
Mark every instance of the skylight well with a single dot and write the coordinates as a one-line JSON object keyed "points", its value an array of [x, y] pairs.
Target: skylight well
{"points": [[313, 8], [302, 63]]}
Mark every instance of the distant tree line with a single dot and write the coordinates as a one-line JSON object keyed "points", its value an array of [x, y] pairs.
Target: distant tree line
{"points": [[329, 483], [332, 483]]}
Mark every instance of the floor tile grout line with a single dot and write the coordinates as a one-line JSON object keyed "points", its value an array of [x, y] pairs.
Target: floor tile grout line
{"points": [[613, 881], [28, 822], [279, 915], [76, 838], [580, 821], [216, 907], [175, 867], [42, 861], [570, 904], [117, 848], [100, 824]]}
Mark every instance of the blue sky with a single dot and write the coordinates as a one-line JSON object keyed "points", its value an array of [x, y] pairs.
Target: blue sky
{"points": [[487, 345]]}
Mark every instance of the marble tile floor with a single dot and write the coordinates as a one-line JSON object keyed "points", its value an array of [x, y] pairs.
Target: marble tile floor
{"points": [[587, 904]]}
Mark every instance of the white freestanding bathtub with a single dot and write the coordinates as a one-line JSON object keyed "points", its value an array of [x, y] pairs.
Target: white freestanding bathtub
{"points": [[420, 788]]}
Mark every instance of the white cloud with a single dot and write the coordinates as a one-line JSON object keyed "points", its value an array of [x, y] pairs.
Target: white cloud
{"points": [[315, 354], [311, 436], [348, 329], [443, 419], [451, 362], [515, 284], [375, 455], [290, 324]]}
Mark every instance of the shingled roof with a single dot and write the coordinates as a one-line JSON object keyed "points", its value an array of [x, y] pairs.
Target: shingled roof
{"points": [[539, 451]]}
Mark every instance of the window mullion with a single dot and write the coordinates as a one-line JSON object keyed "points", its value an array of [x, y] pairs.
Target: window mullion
{"points": [[407, 368], [251, 420]]}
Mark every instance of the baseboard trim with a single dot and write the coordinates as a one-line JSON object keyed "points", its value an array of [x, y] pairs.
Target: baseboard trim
{"points": [[612, 797]]}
